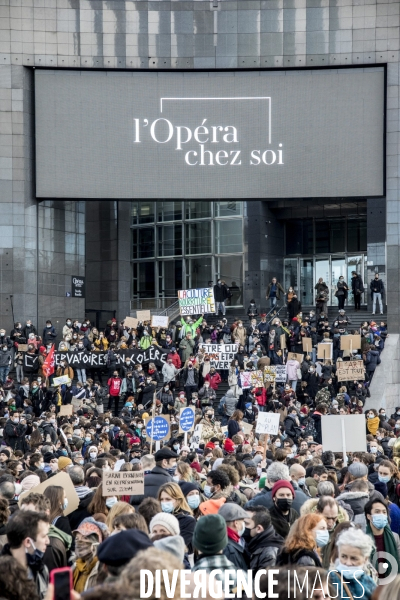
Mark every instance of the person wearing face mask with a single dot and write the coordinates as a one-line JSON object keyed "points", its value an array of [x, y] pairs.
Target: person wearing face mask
{"points": [[235, 551], [15, 432], [387, 475], [49, 333], [307, 536], [49, 427], [5, 362], [341, 292], [88, 536], [67, 329], [192, 495], [282, 514], [350, 569], [372, 421], [262, 541], [27, 540], [114, 391], [173, 502], [378, 528], [377, 289]]}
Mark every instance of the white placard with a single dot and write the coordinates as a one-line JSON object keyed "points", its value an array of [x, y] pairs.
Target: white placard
{"points": [[268, 423], [221, 355], [63, 379], [280, 373], [196, 437], [332, 427], [159, 321]]}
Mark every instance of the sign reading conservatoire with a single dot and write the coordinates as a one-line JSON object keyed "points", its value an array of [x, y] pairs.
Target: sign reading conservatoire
{"points": [[78, 287], [220, 355], [230, 134], [98, 360], [195, 302]]}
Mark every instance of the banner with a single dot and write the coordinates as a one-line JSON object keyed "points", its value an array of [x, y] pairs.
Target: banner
{"points": [[194, 302], [98, 360], [31, 363], [269, 373], [221, 355], [351, 370], [123, 483]]}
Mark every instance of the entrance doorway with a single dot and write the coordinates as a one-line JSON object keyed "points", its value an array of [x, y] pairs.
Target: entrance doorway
{"points": [[303, 273]]}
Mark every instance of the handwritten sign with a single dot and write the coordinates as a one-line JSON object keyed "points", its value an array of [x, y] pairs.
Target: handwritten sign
{"points": [[123, 483], [280, 373], [159, 321], [64, 379], [247, 428], [186, 420], [270, 373], [66, 410], [197, 301], [245, 379], [143, 315], [351, 370], [76, 403], [159, 430], [221, 355], [268, 423], [196, 437], [257, 378], [22, 347]]}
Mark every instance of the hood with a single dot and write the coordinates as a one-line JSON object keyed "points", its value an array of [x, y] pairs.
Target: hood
{"points": [[346, 496], [64, 537], [308, 506], [229, 394]]}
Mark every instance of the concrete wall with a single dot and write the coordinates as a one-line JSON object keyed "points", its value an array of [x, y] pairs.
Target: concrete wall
{"points": [[385, 383], [170, 34]]}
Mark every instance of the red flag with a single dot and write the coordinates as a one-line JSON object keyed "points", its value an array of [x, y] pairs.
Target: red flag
{"points": [[48, 365]]}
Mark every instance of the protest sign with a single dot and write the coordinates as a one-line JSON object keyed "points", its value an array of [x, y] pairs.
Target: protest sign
{"points": [[270, 373], [197, 301], [63, 380], [344, 433], [247, 428], [196, 437], [295, 356], [22, 347], [350, 342], [257, 378], [224, 429], [282, 340], [66, 410], [31, 363], [245, 379], [159, 430], [130, 323], [280, 373], [143, 315], [324, 350], [63, 480], [268, 423], [76, 403], [98, 360], [307, 344], [123, 483], [350, 370], [159, 321], [221, 355], [186, 419]]}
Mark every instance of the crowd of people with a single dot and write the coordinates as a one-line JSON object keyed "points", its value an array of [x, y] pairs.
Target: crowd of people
{"points": [[232, 500]]}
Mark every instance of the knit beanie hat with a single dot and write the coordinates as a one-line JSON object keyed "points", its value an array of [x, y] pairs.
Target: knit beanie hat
{"points": [[165, 520], [174, 544], [282, 484], [261, 482], [187, 487], [63, 462], [30, 482], [206, 543], [229, 446], [211, 507], [5, 451]]}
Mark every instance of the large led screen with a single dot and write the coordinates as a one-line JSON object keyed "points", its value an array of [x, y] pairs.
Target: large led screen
{"points": [[217, 134]]}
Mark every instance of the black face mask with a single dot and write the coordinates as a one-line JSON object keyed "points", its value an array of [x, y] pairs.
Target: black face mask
{"points": [[246, 536], [284, 504]]}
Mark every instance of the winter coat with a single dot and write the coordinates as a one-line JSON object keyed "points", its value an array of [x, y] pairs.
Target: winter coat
{"points": [[214, 380], [187, 524], [282, 523], [341, 291], [221, 293], [279, 289], [357, 285], [291, 369], [376, 286], [76, 517], [237, 554], [233, 428], [14, 435], [291, 428], [230, 402], [49, 335], [154, 480], [169, 372], [373, 360], [264, 549], [239, 335], [186, 347], [318, 428], [294, 308], [357, 502]]}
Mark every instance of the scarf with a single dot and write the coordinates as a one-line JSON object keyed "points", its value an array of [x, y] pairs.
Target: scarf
{"points": [[390, 547], [82, 491], [81, 573], [232, 535], [373, 425]]}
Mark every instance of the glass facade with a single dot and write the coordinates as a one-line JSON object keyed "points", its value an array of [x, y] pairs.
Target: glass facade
{"points": [[178, 245]]}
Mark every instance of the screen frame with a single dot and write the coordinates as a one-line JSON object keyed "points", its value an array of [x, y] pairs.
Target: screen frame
{"points": [[367, 66]]}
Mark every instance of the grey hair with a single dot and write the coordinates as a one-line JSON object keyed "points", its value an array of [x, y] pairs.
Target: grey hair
{"points": [[325, 488], [277, 471], [357, 539], [77, 475], [148, 462]]}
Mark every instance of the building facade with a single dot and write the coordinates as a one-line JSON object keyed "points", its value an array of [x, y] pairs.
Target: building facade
{"points": [[130, 251]]}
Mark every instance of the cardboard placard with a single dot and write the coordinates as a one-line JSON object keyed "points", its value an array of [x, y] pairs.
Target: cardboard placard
{"points": [[282, 341], [76, 403], [354, 431], [62, 380], [350, 370], [268, 423], [295, 356], [62, 479], [159, 321], [130, 322], [22, 347], [123, 483], [325, 350], [196, 437], [143, 315], [350, 342], [307, 344], [247, 428], [66, 410]]}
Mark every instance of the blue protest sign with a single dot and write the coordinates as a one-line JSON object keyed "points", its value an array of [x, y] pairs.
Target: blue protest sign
{"points": [[186, 420], [158, 431]]}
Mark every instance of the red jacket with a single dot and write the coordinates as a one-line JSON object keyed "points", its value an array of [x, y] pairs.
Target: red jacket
{"points": [[262, 399], [176, 359], [214, 380], [114, 386]]}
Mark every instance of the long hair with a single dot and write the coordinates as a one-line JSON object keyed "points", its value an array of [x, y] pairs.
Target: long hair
{"points": [[237, 416], [55, 493], [119, 508], [301, 535], [98, 503], [174, 490]]}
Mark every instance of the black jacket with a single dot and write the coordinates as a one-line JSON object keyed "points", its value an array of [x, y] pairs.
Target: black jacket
{"points": [[152, 483], [237, 554], [76, 517], [279, 521], [373, 360], [14, 434], [318, 427], [376, 285], [357, 285], [300, 557], [187, 524], [264, 549], [221, 293]]}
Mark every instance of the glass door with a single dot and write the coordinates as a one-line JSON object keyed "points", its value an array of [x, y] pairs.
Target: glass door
{"points": [[355, 263], [290, 275], [338, 268], [306, 292]]}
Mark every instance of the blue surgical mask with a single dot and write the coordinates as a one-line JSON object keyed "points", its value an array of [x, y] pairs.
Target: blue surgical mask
{"points": [[111, 501], [241, 531], [207, 491], [301, 481], [65, 504], [172, 470], [88, 439], [322, 537], [167, 507], [193, 501], [383, 479], [379, 521], [349, 572]]}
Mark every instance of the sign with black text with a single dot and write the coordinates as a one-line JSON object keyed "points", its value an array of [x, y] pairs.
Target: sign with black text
{"points": [[78, 287], [220, 355]]}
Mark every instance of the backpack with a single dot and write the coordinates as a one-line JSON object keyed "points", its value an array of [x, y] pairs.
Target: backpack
{"points": [[222, 407]]}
